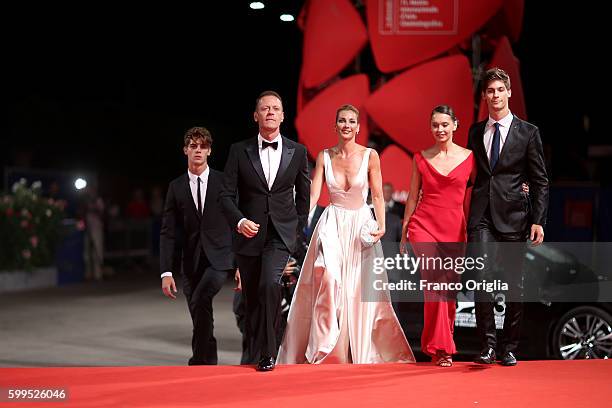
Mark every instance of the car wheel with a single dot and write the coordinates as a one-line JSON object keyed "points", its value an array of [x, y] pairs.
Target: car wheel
{"points": [[584, 332]]}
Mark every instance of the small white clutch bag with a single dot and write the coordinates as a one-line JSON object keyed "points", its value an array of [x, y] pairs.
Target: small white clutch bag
{"points": [[367, 240]]}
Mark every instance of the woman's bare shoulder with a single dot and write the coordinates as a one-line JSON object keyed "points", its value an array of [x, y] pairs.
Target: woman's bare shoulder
{"points": [[463, 152], [430, 152]]}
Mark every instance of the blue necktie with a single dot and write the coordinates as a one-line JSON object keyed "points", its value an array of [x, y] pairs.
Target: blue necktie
{"points": [[495, 146]]}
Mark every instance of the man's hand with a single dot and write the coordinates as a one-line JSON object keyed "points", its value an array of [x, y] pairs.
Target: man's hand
{"points": [[238, 286], [168, 287], [290, 268], [537, 234], [248, 228]]}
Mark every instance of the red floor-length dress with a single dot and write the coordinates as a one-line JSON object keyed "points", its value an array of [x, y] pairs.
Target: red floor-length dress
{"points": [[439, 218]]}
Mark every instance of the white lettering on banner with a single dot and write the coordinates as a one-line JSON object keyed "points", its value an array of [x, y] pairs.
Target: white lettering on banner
{"points": [[418, 17]]}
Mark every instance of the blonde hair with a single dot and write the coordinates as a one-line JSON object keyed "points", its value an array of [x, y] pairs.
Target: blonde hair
{"points": [[347, 107]]}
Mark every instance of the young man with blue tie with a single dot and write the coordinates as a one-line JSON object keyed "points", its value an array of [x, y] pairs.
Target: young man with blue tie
{"points": [[508, 153]]}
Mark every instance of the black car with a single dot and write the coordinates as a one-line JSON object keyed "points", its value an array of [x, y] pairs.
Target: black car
{"points": [[567, 308]]}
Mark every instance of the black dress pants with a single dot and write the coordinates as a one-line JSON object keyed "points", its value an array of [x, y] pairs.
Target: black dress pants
{"points": [[200, 289], [503, 262], [262, 290]]}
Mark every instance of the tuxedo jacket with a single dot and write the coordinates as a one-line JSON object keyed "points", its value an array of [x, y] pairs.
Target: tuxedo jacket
{"points": [[521, 159], [185, 233], [397, 209], [246, 195]]}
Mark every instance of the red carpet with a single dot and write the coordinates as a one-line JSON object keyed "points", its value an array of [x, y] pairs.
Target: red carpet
{"points": [[530, 384]]}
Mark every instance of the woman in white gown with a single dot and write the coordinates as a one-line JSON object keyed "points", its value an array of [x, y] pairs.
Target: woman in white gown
{"points": [[335, 315]]}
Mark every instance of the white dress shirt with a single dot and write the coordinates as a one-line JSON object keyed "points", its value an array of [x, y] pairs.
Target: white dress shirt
{"points": [[270, 161], [389, 205], [193, 186], [504, 128], [270, 158]]}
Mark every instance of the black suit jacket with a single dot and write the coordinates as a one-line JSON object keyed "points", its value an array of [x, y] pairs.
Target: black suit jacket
{"points": [[184, 232], [246, 195], [397, 209], [393, 228], [521, 160]]}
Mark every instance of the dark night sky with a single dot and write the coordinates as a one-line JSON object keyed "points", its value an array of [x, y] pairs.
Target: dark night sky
{"points": [[112, 91]]}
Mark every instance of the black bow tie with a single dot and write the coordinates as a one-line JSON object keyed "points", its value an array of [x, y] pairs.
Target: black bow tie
{"points": [[265, 144]]}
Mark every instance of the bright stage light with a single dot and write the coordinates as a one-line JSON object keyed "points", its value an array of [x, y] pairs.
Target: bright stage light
{"points": [[80, 183], [256, 5], [286, 17]]}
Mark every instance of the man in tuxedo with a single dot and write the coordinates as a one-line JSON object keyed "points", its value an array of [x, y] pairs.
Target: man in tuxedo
{"points": [[196, 238], [392, 206], [508, 152], [266, 198]]}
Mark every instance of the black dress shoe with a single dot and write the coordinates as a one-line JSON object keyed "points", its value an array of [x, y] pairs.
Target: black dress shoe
{"points": [[487, 356], [508, 359], [266, 364]]}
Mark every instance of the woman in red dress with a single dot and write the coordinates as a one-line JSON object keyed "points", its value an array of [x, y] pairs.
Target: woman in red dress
{"points": [[442, 173]]}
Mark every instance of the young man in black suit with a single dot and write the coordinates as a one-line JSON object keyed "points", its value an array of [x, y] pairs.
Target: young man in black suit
{"points": [[196, 238], [508, 152], [266, 199]]}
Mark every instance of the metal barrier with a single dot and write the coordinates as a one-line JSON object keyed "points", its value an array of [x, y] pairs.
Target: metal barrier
{"points": [[128, 238]]}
